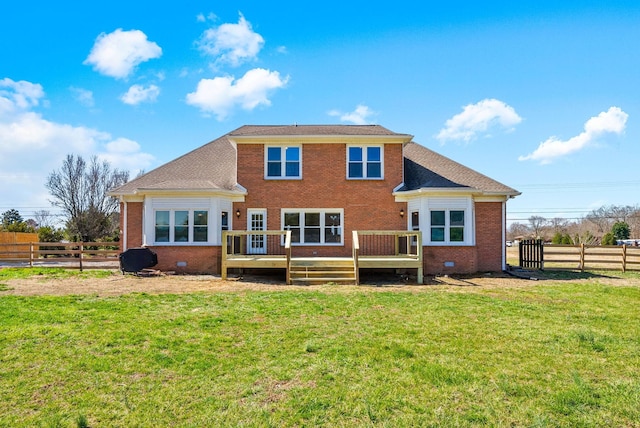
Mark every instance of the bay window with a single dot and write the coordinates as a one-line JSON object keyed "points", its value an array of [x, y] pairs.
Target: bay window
{"points": [[447, 226], [181, 225]]}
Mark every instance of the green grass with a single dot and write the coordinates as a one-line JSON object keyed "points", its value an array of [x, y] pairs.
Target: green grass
{"points": [[549, 353], [53, 273]]}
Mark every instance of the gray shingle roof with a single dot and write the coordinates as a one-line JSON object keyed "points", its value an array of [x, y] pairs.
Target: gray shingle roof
{"points": [[309, 130], [214, 165], [426, 169], [210, 167]]}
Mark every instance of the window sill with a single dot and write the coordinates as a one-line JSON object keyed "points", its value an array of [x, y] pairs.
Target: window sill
{"points": [[182, 244], [283, 178]]}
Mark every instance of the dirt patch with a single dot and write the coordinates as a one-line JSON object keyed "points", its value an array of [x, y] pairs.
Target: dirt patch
{"points": [[118, 284]]}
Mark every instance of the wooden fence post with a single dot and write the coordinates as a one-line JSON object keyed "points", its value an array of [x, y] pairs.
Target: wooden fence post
{"points": [[624, 258], [81, 254], [582, 257], [30, 254]]}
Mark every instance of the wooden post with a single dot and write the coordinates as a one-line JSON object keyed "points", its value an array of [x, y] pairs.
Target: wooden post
{"points": [[287, 249], [223, 259], [419, 250], [624, 258], [582, 257], [31, 254], [81, 254]]}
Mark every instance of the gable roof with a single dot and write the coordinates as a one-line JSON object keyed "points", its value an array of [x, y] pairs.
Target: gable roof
{"points": [[426, 169], [213, 166]]}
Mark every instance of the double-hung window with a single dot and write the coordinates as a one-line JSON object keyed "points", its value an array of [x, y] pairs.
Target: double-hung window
{"points": [[447, 226], [314, 227], [181, 226], [364, 162], [283, 162]]}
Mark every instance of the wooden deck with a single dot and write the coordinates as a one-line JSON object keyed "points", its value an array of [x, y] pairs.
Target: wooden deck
{"points": [[381, 250]]}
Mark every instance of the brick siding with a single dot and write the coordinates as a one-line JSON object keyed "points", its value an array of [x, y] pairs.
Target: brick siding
{"points": [[367, 204], [485, 256]]}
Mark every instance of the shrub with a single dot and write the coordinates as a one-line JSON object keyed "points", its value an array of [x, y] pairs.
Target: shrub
{"points": [[608, 239]]}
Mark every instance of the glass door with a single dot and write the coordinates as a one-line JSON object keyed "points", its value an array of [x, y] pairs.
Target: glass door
{"points": [[257, 220]]}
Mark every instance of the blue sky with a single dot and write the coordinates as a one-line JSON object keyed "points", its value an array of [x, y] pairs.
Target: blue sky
{"points": [[540, 95]]}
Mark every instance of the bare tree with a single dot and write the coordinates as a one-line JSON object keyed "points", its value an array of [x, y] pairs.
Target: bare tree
{"points": [[537, 224], [517, 231], [80, 189], [43, 218], [559, 224]]}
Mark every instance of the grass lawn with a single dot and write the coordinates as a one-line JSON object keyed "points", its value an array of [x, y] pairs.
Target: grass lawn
{"points": [[548, 353]]}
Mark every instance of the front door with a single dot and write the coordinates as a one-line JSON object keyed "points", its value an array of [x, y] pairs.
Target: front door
{"points": [[257, 220]]}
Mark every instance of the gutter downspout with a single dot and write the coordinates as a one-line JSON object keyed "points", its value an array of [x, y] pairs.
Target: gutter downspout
{"points": [[124, 226], [504, 238]]}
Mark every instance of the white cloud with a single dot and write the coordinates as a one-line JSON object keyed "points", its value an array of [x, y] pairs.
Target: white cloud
{"points": [[117, 54], [138, 94], [211, 17], [478, 119], [123, 153], [31, 146], [357, 117], [83, 96], [18, 96], [221, 94], [611, 121], [232, 44]]}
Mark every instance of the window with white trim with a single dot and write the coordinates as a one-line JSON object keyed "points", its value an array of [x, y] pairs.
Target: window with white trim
{"points": [[314, 227], [447, 226], [181, 225], [283, 162], [364, 162]]}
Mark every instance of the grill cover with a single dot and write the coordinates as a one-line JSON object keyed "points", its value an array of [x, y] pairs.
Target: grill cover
{"points": [[136, 259]]}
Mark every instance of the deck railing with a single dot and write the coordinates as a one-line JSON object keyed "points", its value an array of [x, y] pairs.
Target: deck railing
{"points": [[257, 249], [390, 249], [390, 243]]}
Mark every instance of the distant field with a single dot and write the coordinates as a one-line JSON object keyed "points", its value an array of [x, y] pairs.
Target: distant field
{"points": [[536, 353]]}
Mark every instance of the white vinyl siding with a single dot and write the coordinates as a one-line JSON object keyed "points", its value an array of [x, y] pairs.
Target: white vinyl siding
{"points": [[444, 221], [185, 221]]}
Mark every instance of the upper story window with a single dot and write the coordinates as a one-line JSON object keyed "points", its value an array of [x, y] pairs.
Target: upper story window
{"points": [[181, 226], [283, 162], [364, 162], [447, 226]]}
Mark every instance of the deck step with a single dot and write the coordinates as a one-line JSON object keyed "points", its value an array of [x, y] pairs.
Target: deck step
{"points": [[307, 272]]}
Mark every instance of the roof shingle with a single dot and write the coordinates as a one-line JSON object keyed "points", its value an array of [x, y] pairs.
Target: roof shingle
{"points": [[214, 165]]}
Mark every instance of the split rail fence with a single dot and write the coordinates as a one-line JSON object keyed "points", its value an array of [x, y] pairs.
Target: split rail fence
{"points": [[73, 255], [536, 255]]}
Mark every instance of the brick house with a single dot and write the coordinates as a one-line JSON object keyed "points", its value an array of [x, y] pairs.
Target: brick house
{"points": [[321, 183]]}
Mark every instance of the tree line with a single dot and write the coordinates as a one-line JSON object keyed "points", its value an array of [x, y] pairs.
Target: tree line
{"points": [[606, 226], [79, 188]]}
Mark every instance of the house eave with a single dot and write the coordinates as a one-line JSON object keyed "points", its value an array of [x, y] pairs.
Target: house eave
{"points": [[403, 196], [235, 195]]}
